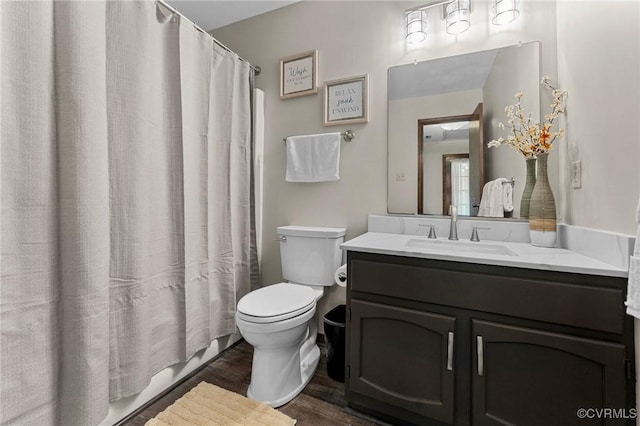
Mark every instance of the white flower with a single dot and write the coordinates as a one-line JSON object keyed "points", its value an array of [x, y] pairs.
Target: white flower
{"points": [[531, 138]]}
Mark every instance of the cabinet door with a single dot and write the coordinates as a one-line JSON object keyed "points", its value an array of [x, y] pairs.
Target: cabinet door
{"points": [[403, 357], [525, 376]]}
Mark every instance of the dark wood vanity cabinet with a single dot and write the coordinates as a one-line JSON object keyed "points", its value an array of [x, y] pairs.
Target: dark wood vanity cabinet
{"points": [[420, 345], [433, 342], [527, 376]]}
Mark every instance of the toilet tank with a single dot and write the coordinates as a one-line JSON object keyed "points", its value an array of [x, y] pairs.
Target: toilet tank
{"points": [[310, 255]]}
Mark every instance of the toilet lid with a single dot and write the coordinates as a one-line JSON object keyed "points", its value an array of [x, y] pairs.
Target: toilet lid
{"points": [[276, 302]]}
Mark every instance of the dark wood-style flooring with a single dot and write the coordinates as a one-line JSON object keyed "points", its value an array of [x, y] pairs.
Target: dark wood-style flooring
{"points": [[320, 403]]}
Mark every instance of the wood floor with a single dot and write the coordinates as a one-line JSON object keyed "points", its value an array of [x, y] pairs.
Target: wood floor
{"points": [[320, 403]]}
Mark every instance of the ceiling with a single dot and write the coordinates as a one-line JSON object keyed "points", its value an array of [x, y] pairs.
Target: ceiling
{"points": [[442, 75], [212, 14]]}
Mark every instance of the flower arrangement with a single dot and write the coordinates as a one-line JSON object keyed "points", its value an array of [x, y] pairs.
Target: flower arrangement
{"points": [[531, 138]]}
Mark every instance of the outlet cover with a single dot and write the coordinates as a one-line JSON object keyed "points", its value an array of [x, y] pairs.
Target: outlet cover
{"points": [[576, 174], [401, 177]]}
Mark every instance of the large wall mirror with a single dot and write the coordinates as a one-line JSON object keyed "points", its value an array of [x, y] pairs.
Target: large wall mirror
{"points": [[442, 113]]}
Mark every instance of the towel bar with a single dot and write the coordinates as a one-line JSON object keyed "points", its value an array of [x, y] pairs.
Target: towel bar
{"points": [[347, 135]]}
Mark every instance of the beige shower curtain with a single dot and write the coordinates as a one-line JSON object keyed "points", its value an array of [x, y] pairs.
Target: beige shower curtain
{"points": [[126, 231]]}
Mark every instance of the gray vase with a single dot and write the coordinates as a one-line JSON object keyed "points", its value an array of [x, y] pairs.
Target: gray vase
{"points": [[528, 187], [542, 209]]}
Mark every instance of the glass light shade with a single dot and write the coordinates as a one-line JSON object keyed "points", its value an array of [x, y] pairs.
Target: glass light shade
{"points": [[416, 26], [504, 11], [458, 16]]}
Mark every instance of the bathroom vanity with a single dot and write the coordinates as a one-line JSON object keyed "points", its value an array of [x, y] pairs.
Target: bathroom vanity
{"points": [[442, 332]]}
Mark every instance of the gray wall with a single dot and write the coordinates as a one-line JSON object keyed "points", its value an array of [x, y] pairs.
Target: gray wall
{"points": [[502, 83]]}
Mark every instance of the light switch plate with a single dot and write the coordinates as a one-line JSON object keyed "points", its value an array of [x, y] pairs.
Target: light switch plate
{"points": [[576, 174]]}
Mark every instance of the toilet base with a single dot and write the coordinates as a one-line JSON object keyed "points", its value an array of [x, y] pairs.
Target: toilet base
{"points": [[308, 367]]}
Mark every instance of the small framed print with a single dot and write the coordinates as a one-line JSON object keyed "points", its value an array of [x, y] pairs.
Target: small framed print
{"points": [[346, 101], [299, 75]]}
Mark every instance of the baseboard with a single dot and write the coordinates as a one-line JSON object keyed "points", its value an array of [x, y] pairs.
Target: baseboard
{"points": [[364, 416]]}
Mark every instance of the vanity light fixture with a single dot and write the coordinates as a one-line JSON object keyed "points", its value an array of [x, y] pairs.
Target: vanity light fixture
{"points": [[416, 26], [416, 21], [456, 15], [504, 11]]}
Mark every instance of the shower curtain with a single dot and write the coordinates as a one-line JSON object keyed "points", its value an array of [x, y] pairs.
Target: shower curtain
{"points": [[126, 229]]}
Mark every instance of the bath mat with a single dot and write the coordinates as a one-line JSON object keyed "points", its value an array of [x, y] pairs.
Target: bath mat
{"points": [[207, 404]]}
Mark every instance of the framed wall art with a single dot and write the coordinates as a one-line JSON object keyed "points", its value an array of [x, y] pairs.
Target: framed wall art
{"points": [[346, 101], [299, 75]]}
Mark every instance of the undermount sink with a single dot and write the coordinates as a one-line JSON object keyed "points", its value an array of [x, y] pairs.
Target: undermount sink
{"points": [[459, 246]]}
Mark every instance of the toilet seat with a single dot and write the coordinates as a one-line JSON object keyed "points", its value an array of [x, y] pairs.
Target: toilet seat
{"points": [[275, 303]]}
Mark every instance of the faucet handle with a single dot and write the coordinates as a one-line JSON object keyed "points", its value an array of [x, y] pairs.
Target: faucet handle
{"points": [[432, 229], [432, 232], [474, 233]]}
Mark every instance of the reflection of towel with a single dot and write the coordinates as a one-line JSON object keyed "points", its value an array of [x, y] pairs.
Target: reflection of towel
{"points": [[633, 287], [507, 196], [496, 198], [313, 158], [483, 210]]}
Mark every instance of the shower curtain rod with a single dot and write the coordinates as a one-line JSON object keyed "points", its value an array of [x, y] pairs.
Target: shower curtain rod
{"points": [[255, 69]]}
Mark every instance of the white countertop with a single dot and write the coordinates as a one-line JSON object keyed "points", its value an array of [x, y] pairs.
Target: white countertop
{"points": [[521, 255]]}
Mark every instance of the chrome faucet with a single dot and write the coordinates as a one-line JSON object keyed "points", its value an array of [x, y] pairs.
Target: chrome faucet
{"points": [[453, 227]]}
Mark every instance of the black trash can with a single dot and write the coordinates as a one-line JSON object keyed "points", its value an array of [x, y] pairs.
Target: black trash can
{"points": [[334, 333]]}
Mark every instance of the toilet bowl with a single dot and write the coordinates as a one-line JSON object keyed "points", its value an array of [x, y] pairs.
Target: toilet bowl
{"points": [[280, 320], [284, 358]]}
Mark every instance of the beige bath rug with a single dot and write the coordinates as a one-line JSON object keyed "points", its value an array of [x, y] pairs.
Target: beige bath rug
{"points": [[210, 405]]}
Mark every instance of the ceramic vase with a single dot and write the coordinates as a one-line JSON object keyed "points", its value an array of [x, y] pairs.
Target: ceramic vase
{"points": [[528, 188], [542, 208]]}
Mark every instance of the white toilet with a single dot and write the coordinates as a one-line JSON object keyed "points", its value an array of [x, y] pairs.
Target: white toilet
{"points": [[280, 320]]}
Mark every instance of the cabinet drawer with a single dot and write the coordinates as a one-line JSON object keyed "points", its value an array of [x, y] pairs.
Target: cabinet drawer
{"points": [[524, 293]]}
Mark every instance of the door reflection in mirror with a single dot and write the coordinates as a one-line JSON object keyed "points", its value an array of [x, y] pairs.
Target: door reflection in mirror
{"points": [[440, 141]]}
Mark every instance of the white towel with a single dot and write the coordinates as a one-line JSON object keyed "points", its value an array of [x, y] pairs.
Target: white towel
{"points": [[313, 158], [494, 198], [507, 196], [633, 285], [496, 203], [483, 210]]}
